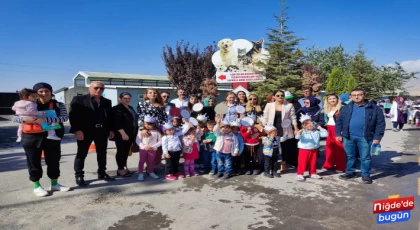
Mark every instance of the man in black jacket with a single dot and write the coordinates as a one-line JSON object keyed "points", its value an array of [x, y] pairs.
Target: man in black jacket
{"points": [[90, 120]]}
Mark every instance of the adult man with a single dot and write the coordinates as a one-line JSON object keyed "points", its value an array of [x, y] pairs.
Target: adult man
{"points": [[359, 124], [182, 100], [307, 92], [90, 120]]}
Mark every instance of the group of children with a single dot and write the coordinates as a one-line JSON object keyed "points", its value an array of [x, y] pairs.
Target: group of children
{"points": [[224, 148]]}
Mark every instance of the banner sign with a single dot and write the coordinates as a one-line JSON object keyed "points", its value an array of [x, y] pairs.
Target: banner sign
{"points": [[240, 60]]}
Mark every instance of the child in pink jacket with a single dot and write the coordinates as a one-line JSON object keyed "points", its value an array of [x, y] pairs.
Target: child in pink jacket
{"points": [[148, 147], [190, 149], [27, 107]]}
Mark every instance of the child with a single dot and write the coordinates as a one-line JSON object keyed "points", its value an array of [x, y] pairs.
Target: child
{"points": [[251, 136], [176, 123], [202, 119], [271, 150], [226, 145], [416, 115], [236, 161], [171, 149], [148, 147], [190, 149], [27, 107], [209, 154], [308, 147]]}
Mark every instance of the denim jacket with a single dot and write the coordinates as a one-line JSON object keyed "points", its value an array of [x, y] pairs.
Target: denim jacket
{"points": [[374, 127]]}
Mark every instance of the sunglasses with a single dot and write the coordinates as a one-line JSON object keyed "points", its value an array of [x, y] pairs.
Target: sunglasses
{"points": [[98, 88], [252, 99], [280, 95]]}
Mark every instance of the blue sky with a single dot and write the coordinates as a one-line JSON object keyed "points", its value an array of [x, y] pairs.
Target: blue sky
{"points": [[45, 40]]}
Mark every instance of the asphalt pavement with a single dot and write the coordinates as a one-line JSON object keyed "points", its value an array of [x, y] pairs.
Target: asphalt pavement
{"points": [[204, 202]]}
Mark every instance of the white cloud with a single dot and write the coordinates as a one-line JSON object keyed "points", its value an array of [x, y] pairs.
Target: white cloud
{"points": [[411, 66]]}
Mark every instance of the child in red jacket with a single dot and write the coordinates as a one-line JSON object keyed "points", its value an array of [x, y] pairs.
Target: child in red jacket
{"points": [[253, 160]]}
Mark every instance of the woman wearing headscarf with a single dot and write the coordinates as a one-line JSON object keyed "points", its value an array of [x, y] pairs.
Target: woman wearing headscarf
{"points": [[311, 108], [398, 112], [37, 142], [208, 109]]}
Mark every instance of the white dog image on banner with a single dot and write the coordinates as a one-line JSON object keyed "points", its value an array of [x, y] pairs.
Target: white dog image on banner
{"points": [[228, 54]]}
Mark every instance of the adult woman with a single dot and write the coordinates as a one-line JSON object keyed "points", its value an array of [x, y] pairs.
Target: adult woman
{"points": [[398, 114], [253, 107], [209, 108], [242, 100], [311, 108], [153, 106], [34, 143], [282, 115], [230, 102], [126, 127], [334, 150]]}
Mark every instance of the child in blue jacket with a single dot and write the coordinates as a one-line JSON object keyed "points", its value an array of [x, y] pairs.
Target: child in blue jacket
{"points": [[236, 162], [308, 145]]}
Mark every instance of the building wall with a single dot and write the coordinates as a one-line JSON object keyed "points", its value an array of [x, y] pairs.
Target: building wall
{"points": [[72, 92], [111, 94], [60, 97]]}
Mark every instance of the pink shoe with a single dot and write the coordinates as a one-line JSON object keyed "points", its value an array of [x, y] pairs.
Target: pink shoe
{"points": [[170, 177], [187, 175], [180, 175]]}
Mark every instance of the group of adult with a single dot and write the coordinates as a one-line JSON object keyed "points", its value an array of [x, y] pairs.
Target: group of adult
{"points": [[93, 119]]}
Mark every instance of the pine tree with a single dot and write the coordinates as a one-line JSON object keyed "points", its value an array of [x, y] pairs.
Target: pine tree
{"points": [[337, 81], [351, 84], [364, 72], [284, 68]]}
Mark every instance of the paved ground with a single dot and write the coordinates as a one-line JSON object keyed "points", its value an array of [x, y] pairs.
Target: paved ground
{"points": [[244, 202]]}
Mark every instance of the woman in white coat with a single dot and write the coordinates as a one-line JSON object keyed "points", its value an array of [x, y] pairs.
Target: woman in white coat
{"points": [[397, 113], [282, 115]]}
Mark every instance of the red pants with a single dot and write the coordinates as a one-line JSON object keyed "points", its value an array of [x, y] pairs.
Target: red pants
{"points": [[334, 152], [307, 157]]}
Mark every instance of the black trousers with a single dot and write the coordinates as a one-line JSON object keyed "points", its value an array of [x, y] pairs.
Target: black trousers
{"points": [[172, 164], [253, 158], [270, 163], [236, 164], [33, 144], [100, 138], [123, 147]]}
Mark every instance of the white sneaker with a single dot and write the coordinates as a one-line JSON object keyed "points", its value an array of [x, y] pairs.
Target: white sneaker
{"points": [[40, 192], [19, 139], [316, 176], [153, 175], [140, 177], [300, 178], [54, 137], [59, 187]]}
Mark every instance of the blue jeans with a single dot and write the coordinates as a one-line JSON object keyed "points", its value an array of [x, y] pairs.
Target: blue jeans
{"points": [[351, 146], [214, 161], [224, 163], [208, 160]]}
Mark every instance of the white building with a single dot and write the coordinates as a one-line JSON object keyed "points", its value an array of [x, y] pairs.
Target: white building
{"points": [[116, 83]]}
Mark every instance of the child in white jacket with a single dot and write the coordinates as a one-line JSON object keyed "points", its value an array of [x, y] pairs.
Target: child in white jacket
{"points": [[308, 145], [226, 145]]}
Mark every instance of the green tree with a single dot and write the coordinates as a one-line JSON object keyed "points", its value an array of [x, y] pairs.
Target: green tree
{"points": [[351, 84], [363, 70], [393, 78], [337, 81], [284, 68], [326, 59]]}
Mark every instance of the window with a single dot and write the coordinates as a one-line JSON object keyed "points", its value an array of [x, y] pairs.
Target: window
{"points": [[140, 96], [79, 82]]}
